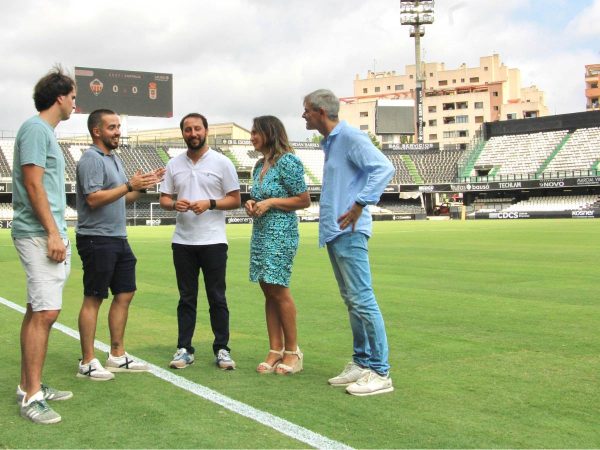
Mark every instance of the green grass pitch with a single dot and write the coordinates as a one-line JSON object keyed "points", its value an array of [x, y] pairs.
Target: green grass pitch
{"points": [[493, 328]]}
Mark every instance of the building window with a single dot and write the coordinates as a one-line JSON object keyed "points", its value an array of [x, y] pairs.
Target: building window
{"points": [[485, 69], [462, 119], [462, 80], [430, 74], [449, 119], [496, 108], [462, 105], [411, 77], [399, 87], [478, 105], [365, 90], [463, 133], [530, 114], [364, 114], [388, 88], [450, 134], [511, 116], [443, 83], [433, 137], [377, 89], [454, 81], [364, 127], [433, 123], [474, 80], [432, 109], [495, 94], [478, 119], [447, 106]]}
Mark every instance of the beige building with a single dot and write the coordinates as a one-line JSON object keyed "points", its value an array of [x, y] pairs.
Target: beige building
{"points": [[592, 91], [455, 103]]}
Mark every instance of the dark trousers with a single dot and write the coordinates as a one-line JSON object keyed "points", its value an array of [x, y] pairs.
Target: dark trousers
{"points": [[188, 260]]}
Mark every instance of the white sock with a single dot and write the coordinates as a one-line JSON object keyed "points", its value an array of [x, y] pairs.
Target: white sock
{"points": [[39, 395]]}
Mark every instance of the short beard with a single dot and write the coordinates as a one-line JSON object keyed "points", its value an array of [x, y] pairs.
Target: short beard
{"points": [[109, 145], [196, 147]]}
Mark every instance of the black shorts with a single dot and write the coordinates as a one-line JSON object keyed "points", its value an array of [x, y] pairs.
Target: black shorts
{"points": [[107, 262]]}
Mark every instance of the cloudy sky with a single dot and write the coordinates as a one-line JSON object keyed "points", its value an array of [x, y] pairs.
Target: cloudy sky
{"points": [[236, 59]]}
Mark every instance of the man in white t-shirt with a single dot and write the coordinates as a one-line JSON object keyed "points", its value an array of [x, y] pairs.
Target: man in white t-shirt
{"points": [[200, 184]]}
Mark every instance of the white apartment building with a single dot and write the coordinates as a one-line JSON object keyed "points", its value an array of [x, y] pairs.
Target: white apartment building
{"points": [[456, 101]]}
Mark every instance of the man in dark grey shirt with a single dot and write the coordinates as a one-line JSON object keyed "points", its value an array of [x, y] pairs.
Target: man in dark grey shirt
{"points": [[102, 193]]}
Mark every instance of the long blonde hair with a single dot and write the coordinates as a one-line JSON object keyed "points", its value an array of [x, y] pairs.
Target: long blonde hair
{"points": [[274, 136]]}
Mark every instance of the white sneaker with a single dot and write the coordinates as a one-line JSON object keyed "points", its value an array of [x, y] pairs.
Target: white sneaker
{"points": [[351, 373], [224, 361], [181, 359], [125, 363], [94, 371], [371, 384]]}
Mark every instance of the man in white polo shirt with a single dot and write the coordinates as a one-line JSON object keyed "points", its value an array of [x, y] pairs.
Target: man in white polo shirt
{"points": [[200, 184]]}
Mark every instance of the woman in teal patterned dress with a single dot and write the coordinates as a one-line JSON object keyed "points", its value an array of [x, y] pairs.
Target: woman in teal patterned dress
{"points": [[278, 190]]}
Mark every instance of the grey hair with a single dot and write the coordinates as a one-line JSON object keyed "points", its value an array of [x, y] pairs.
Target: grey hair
{"points": [[326, 100]]}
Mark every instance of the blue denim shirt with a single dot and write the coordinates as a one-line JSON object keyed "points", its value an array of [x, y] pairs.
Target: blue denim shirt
{"points": [[355, 170]]}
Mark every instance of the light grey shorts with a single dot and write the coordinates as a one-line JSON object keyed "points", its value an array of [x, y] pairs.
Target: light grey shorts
{"points": [[45, 278]]}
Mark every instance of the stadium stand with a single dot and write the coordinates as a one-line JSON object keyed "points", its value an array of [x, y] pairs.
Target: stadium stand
{"points": [[140, 157], [555, 203], [7, 147], [437, 167], [580, 153], [402, 175], [313, 161], [403, 206], [6, 211], [519, 154]]}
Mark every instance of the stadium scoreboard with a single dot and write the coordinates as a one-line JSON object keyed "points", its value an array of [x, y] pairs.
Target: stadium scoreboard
{"points": [[133, 93]]}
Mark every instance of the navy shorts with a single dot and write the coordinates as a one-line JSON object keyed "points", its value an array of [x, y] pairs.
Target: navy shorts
{"points": [[107, 262]]}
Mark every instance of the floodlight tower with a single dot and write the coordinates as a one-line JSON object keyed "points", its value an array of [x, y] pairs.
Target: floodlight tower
{"points": [[417, 13]]}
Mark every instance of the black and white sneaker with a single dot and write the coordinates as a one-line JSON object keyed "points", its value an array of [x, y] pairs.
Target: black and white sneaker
{"points": [[94, 371], [125, 363]]}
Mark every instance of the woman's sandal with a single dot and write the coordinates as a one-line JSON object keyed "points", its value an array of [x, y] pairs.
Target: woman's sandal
{"points": [[265, 367], [284, 369]]}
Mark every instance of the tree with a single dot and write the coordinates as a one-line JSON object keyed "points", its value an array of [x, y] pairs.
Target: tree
{"points": [[316, 138], [374, 140]]}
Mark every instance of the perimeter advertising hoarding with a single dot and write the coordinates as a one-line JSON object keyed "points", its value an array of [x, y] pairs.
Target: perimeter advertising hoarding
{"points": [[544, 183], [144, 94]]}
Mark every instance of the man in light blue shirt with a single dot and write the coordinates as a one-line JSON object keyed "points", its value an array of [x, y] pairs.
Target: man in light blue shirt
{"points": [[39, 234], [354, 176]]}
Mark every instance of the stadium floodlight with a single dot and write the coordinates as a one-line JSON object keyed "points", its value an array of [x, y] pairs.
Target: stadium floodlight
{"points": [[417, 13]]}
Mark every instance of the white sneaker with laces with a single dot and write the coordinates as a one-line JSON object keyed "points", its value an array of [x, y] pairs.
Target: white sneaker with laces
{"points": [[181, 359], [94, 371], [371, 384], [224, 360], [125, 363], [351, 373]]}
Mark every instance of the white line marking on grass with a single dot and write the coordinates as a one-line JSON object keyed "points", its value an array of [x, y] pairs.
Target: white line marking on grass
{"points": [[278, 424]]}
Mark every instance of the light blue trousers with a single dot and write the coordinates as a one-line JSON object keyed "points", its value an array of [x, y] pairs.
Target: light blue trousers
{"points": [[349, 257]]}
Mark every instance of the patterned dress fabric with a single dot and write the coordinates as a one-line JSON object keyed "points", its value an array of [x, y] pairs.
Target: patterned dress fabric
{"points": [[275, 234]]}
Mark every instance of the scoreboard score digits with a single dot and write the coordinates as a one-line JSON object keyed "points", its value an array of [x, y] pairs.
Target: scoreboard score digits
{"points": [[144, 94]]}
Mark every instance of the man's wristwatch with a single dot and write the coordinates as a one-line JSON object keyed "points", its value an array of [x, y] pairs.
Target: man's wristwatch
{"points": [[213, 204], [129, 187]]}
